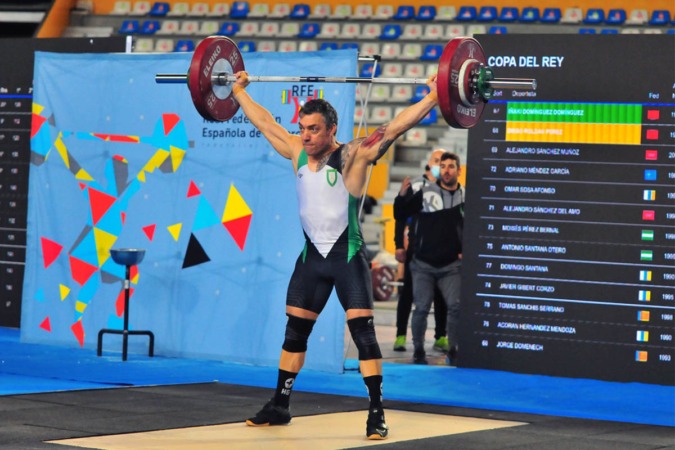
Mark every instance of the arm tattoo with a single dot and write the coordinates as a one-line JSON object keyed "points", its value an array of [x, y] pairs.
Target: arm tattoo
{"points": [[375, 138], [323, 162], [346, 149]]}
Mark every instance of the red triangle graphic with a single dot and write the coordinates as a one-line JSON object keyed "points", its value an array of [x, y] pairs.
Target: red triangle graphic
{"points": [[149, 231], [78, 331], [193, 190], [119, 303], [50, 251], [170, 121], [124, 217], [36, 124], [81, 271], [82, 186], [100, 204], [238, 229], [46, 324]]}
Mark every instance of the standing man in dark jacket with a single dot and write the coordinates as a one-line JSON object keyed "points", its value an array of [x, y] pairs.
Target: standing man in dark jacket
{"points": [[438, 250]]}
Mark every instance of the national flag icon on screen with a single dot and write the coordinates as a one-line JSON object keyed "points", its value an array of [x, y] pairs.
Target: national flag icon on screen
{"points": [[652, 135], [649, 195], [651, 155], [645, 275], [647, 235], [650, 175], [648, 214], [645, 296], [643, 316], [653, 114], [646, 255], [642, 336], [641, 356]]}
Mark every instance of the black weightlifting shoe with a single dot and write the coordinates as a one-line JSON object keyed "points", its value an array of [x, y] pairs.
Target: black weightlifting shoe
{"points": [[376, 428], [270, 414]]}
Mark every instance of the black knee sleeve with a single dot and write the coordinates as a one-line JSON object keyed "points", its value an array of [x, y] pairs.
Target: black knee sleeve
{"points": [[362, 330], [297, 334]]}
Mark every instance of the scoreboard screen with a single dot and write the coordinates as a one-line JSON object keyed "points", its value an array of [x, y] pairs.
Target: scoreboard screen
{"points": [[569, 238]]}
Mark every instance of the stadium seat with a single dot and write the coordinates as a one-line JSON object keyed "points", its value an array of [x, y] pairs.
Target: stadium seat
{"points": [[384, 12], [199, 9], [350, 30], [308, 46], [144, 45], [363, 12], [660, 17], [300, 11], [638, 17], [320, 11], [627, 30], [380, 114], [652, 31], [419, 93], [369, 68], [341, 12], [594, 16], [487, 14], [391, 50], [401, 93], [466, 14], [246, 46], [239, 10], [433, 32], [259, 11], [508, 14], [267, 46], [288, 46], [169, 26], [380, 93], [140, 8], [609, 31], [432, 52], [358, 114], [404, 12], [432, 69], [415, 136], [372, 31], [159, 9], [453, 31], [220, 9], [280, 10], [179, 9], [616, 17], [551, 15], [529, 15], [473, 30], [249, 29], [414, 70], [289, 29], [121, 8], [309, 30], [184, 45], [229, 29], [426, 13], [329, 46], [164, 45], [329, 30], [130, 26], [446, 13], [430, 119], [497, 29], [392, 70], [189, 27], [350, 45], [269, 29], [370, 49], [572, 15], [149, 27], [411, 51], [391, 31], [412, 31]]}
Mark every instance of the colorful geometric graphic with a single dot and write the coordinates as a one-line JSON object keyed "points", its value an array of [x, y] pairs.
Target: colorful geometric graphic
{"points": [[237, 217]]}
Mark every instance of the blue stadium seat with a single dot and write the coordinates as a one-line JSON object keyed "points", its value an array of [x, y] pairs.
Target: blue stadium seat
{"points": [[466, 14], [426, 13], [551, 15], [594, 16], [497, 30], [229, 29], [487, 14], [184, 45], [587, 31], [432, 52], [246, 46], [367, 70], [239, 10], [159, 9], [660, 17], [616, 17], [430, 119], [129, 27], [299, 11], [328, 46], [149, 27], [351, 45], [391, 31], [309, 30], [609, 31], [508, 14], [529, 15], [420, 92], [404, 12]]}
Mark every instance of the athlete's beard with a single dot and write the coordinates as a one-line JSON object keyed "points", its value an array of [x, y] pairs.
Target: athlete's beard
{"points": [[448, 182]]}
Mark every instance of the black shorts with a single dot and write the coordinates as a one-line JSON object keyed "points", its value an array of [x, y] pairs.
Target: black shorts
{"points": [[313, 280]]}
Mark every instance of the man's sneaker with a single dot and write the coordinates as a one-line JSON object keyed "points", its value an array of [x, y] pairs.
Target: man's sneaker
{"points": [[399, 344], [270, 414], [419, 357], [441, 344], [376, 428]]}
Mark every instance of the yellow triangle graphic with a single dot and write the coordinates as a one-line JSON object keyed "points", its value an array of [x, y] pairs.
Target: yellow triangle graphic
{"points": [[80, 306], [175, 230], [83, 175], [104, 242], [65, 290], [37, 109], [157, 159], [235, 207], [177, 155], [141, 176], [63, 151]]}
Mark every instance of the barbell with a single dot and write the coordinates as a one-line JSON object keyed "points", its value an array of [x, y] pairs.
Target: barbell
{"points": [[464, 83]]}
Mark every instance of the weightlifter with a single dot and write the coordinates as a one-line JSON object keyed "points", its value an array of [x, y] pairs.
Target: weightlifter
{"points": [[330, 178]]}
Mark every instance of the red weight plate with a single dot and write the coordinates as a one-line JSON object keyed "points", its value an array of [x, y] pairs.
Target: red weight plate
{"points": [[215, 54], [460, 107], [382, 277]]}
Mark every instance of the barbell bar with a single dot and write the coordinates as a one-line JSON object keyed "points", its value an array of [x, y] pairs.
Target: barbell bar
{"points": [[464, 82]]}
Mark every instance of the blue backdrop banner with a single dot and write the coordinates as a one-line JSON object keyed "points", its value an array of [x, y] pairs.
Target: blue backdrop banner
{"points": [[119, 161]]}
